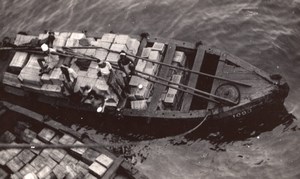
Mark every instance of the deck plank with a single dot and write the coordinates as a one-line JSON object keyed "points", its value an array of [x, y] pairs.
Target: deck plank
{"points": [[158, 89], [192, 81]]}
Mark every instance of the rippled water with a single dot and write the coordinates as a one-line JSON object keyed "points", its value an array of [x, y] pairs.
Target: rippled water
{"points": [[265, 33]]}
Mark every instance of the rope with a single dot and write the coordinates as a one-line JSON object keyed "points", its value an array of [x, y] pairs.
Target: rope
{"points": [[196, 127]]}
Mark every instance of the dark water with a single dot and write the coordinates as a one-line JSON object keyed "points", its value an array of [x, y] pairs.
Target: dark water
{"points": [[265, 33]]}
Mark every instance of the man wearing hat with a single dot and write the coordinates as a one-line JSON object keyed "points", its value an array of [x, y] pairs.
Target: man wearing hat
{"points": [[126, 65]]}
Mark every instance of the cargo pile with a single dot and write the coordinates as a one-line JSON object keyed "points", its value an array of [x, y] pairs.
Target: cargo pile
{"points": [[171, 97], [59, 163], [140, 88], [25, 68]]}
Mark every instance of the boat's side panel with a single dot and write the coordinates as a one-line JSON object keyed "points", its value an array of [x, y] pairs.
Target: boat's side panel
{"points": [[193, 78], [178, 43], [158, 89]]}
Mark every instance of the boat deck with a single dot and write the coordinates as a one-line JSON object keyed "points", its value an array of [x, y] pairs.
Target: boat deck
{"points": [[92, 162]]}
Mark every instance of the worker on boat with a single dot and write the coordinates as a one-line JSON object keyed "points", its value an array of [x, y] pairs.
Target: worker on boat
{"points": [[90, 96], [49, 61], [38, 42], [104, 69], [69, 77], [126, 65]]}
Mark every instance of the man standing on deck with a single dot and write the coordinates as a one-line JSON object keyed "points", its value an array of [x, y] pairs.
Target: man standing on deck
{"points": [[127, 66]]}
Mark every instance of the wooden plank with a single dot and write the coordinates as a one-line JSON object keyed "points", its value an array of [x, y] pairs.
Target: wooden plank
{"points": [[216, 82], [192, 82], [178, 43], [158, 89]]}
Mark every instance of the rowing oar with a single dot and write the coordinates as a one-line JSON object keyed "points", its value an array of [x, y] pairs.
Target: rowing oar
{"points": [[180, 89], [171, 66], [20, 48], [174, 87], [224, 100]]}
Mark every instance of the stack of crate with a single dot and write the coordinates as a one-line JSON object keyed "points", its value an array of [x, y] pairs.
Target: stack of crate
{"points": [[121, 43], [140, 90], [171, 96], [23, 39], [29, 75], [179, 60], [18, 62]]}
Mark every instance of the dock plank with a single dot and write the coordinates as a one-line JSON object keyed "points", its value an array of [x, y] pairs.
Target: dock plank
{"points": [[192, 81], [158, 89]]}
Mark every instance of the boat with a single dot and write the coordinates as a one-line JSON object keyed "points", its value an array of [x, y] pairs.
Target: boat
{"points": [[173, 80], [38, 146]]}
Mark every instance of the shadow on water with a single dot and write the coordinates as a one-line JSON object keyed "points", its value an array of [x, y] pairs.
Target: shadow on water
{"points": [[251, 126]]}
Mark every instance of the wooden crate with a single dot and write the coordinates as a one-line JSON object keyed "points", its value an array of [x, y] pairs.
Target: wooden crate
{"points": [[57, 154], [140, 66], [45, 78], [101, 43], [66, 139], [27, 169], [15, 164], [121, 39], [101, 54], [19, 61], [157, 46], [26, 155], [97, 169], [72, 43], [55, 76], [59, 42], [108, 37], [23, 39], [146, 52], [78, 151], [133, 46], [44, 172], [119, 47], [113, 57], [179, 58], [27, 135], [4, 157], [144, 93], [46, 134], [77, 35], [139, 104], [30, 76], [68, 159], [60, 171], [11, 80], [7, 137], [105, 160], [89, 156], [154, 56]]}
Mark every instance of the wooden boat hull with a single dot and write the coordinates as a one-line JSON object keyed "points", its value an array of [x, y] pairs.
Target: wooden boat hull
{"points": [[254, 87]]}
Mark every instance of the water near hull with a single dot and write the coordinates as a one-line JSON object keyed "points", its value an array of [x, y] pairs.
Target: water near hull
{"points": [[264, 33]]}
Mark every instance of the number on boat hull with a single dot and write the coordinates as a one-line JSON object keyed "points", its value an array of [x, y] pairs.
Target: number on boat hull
{"points": [[242, 113]]}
